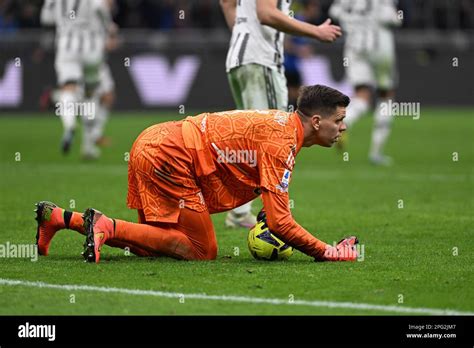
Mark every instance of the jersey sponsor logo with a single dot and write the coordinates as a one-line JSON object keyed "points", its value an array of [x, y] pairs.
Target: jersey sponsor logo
{"points": [[239, 20]]}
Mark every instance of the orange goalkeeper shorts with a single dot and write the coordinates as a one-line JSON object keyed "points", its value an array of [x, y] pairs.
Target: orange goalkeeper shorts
{"points": [[161, 177]]}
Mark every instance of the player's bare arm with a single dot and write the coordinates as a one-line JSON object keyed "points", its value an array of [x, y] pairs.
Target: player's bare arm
{"points": [[389, 16], [112, 41], [47, 13], [228, 7], [268, 14]]}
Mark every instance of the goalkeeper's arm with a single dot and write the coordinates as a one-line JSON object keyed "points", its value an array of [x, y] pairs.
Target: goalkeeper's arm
{"points": [[282, 224]]}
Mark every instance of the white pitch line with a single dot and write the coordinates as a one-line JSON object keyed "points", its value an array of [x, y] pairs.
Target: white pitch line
{"points": [[232, 298]]}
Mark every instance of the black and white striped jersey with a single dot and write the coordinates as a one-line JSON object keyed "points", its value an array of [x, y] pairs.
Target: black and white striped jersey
{"points": [[367, 24], [253, 42], [81, 25]]}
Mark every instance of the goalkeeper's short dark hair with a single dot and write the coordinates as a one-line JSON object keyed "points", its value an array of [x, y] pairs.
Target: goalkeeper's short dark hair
{"points": [[321, 100]]}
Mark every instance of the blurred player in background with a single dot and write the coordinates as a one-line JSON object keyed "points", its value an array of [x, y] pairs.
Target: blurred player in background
{"points": [[180, 172], [254, 62], [104, 93], [369, 58], [298, 48], [84, 30]]}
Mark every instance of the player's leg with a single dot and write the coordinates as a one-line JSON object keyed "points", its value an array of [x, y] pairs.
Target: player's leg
{"points": [[359, 104], [262, 88], [106, 95], [105, 105], [89, 150], [52, 218], [361, 77], [386, 76], [382, 127], [277, 81], [133, 248], [240, 216], [69, 75], [191, 238], [93, 56], [235, 88]]}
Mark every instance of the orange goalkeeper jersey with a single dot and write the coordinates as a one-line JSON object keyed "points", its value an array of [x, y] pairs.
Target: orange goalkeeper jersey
{"points": [[217, 162]]}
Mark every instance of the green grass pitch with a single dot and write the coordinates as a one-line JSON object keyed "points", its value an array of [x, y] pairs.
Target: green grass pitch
{"points": [[421, 253]]}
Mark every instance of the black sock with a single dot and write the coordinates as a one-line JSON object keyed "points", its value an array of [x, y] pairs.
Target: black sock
{"points": [[67, 218]]}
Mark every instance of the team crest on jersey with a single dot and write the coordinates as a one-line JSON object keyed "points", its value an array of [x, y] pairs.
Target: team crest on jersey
{"points": [[285, 181]]}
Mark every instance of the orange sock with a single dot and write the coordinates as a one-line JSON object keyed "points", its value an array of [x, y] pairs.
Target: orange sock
{"points": [[115, 243], [163, 240], [74, 221]]}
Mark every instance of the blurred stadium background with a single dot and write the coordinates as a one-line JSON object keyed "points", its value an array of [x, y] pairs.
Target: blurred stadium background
{"points": [[176, 54]]}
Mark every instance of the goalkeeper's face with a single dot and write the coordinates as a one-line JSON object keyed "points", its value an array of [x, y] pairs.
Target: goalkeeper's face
{"points": [[330, 128]]}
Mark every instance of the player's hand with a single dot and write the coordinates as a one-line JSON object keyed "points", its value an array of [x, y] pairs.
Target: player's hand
{"points": [[112, 41], [113, 29], [345, 250], [328, 32]]}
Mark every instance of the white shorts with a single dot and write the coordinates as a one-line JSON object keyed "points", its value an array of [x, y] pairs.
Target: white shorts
{"points": [[76, 71], [80, 66], [371, 69], [99, 78], [68, 71], [256, 86]]}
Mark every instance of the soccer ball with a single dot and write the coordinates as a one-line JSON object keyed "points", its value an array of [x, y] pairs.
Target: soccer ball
{"points": [[263, 245]]}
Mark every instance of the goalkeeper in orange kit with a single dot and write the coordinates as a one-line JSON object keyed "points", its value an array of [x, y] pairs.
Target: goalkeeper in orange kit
{"points": [[181, 172]]}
